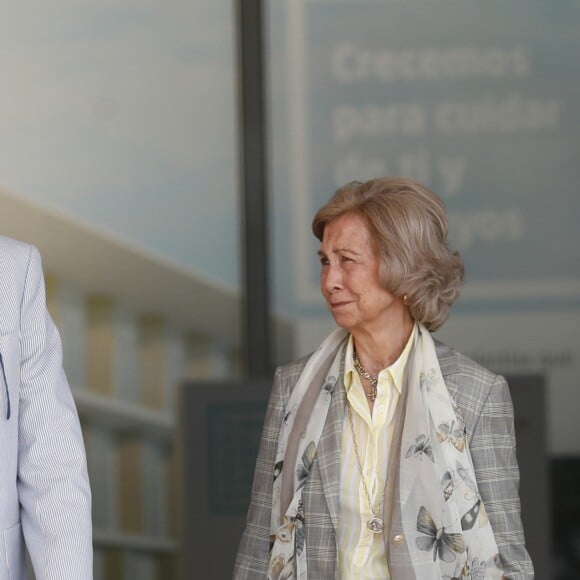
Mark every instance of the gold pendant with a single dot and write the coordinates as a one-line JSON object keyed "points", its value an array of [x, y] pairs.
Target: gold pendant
{"points": [[373, 394]]}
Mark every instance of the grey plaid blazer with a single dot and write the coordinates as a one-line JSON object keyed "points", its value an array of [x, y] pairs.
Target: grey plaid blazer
{"points": [[484, 400]]}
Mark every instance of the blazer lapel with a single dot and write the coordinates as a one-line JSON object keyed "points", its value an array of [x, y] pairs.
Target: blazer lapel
{"points": [[330, 446], [448, 364]]}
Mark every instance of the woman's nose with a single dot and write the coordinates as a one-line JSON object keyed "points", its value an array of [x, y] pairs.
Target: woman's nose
{"points": [[331, 278]]}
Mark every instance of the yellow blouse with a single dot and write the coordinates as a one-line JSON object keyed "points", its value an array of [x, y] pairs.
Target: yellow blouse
{"points": [[361, 552]]}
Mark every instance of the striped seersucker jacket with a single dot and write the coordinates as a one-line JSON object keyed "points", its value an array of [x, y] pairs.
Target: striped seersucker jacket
{"points": [[45, 500]]}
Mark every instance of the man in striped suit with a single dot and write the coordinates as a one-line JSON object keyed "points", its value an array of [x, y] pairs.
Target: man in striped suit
{"points": [[45, 500]]}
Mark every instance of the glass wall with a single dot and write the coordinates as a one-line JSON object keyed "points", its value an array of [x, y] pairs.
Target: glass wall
{"points": [[122, 115]]}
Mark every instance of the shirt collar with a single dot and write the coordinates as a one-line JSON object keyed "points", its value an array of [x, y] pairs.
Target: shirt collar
{"points": [[396, 370]]}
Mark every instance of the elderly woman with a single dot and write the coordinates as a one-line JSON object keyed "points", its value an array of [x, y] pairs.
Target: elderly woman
{"points": [[386, 454]]}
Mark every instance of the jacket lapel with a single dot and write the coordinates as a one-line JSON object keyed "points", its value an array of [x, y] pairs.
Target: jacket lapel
{"points": [[330, 447], [448, 364]]}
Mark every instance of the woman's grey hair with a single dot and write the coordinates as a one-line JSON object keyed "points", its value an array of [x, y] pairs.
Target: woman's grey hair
{"points": [[408, 227]]}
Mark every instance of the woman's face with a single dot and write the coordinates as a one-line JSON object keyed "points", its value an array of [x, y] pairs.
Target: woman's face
{"points": [[349, 278]]}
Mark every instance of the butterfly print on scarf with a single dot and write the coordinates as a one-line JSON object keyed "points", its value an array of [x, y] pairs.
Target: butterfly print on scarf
{"points": [[422, 446], [461, 572], [474, 571], [280, 569], [465, 478], [304, 467], [278, 469], [469, 519], [428, 379], [452, 433], [477, 569], [447, 485], [330, 384], [445, 546], [454, 478]]}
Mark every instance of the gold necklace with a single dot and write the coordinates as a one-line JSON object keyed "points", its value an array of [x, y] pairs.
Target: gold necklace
{"points": [[375, 524], [373, 380]]}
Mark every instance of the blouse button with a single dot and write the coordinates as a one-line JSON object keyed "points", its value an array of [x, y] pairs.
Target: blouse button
{"points": [[398, 539]]}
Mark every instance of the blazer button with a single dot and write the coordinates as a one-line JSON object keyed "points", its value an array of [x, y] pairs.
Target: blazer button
{"points": [[398, 538]]}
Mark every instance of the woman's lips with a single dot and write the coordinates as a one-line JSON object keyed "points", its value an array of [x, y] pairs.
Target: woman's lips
{"points": [[338, 305]]}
